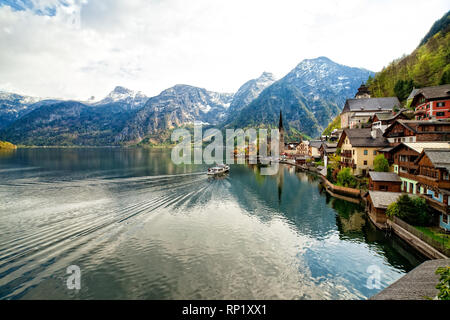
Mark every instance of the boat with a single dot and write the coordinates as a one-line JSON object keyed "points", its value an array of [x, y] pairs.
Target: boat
{"points": [[218, 170]]}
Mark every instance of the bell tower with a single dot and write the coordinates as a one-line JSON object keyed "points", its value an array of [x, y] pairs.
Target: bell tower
{"points": [[281, 130]]}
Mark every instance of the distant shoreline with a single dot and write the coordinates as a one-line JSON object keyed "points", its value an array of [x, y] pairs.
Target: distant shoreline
{"points": [[92, 147]]}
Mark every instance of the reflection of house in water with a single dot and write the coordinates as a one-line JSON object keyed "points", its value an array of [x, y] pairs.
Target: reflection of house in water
{"points": [[355, 222], [350, 216]]}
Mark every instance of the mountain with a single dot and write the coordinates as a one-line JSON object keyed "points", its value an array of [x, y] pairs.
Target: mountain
{"points": [[125, 98], [68, 123], [310, 96], [178, 106], [249, 91], [427, 65], [13, 106]]}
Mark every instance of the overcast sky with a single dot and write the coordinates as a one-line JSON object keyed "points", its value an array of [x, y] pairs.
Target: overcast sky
{"points": [[80, 48]]}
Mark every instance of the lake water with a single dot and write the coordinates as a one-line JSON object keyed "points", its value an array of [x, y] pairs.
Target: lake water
{"points": [[140, 227]]}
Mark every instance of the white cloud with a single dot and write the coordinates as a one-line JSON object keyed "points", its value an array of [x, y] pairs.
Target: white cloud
{"points": [[89, 46]]}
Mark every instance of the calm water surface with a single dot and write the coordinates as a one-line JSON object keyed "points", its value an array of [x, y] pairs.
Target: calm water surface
{"points": [[140, 227]]}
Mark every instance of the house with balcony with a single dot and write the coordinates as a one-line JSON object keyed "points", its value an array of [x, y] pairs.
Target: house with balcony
{"points": [[433, 175], [431, 102], [382, 120], [359, 148], [404, 156], [417, 131], [327, 149]]}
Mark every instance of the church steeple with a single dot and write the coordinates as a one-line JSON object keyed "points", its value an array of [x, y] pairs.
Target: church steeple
{"points": [[280, 124], [281, 130]]}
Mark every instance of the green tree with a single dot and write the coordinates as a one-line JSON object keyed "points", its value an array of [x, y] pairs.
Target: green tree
{"points": [[412, 210], [380, 163], [346, 179], [403, 88], [445, 79]]}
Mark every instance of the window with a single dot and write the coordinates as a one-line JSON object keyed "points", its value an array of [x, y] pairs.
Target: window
{"points": [[366, 152], [383, 188], [440, 114], [440, 104], [445, 218], [365, 162], [353, 151], [374, 152]]}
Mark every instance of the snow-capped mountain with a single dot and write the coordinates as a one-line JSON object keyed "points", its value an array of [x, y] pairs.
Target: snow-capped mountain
{"points": [[249, 91], [126, 98], [175, 107], [323, 78], [13, 106], [310, 96]]}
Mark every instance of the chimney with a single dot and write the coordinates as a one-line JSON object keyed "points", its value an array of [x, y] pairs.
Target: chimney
{"points": [[374, 133]]}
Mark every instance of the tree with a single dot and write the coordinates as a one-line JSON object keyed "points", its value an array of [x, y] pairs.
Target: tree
{"points": [[346, 179], [380, 163], [445, 78], [412, 210], [403, 88]]}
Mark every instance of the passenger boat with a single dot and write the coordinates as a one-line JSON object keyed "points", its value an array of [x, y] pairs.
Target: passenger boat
{"points": [[218, 170]]}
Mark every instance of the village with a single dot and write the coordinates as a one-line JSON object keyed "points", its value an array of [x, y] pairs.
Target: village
{"points": [[387, 155]]}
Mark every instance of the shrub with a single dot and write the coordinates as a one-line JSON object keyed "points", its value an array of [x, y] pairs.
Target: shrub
{"points": [[412, 210], [346, 179], [380, 163], [444, 283]]}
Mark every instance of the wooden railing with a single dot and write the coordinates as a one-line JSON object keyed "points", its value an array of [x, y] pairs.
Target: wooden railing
{"points": [[440, 246]]}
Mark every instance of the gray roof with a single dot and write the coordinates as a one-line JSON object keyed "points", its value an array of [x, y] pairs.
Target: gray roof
{"points": [[384, 176], [434, 92], [384, 115], [418, 284], [371, 104], [315, 143], [381, 199], [439, 157], [363, 138], [413, 93]]}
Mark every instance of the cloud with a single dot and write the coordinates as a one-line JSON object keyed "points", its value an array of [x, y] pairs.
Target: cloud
{"points": [[80, 48]]}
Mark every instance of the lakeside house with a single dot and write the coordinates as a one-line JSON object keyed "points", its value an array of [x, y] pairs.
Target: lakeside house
{"points": [[431, 102], [362, 108], [418, 130], [314, 149], [403, 158], [377, 204], [384, 181], [327, 149], [359, 148]]}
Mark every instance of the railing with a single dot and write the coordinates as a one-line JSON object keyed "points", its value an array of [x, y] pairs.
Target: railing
{"points": [[432, 242]]}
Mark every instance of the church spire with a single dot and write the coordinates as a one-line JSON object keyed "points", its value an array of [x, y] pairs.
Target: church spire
{"points": [[280, 125]]}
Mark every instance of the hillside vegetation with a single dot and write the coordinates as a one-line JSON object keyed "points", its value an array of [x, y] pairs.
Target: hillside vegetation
{"points": [[335, 124], [7, 146], [428, 65]]}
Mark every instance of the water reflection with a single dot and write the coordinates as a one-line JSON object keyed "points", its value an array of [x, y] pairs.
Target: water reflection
{"points": [[142, 227]]}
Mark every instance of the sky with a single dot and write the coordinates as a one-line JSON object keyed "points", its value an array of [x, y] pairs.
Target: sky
{"points": [[76, 49]]}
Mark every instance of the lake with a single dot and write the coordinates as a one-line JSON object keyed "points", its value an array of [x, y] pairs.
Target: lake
{"points": [[140, 227]]}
